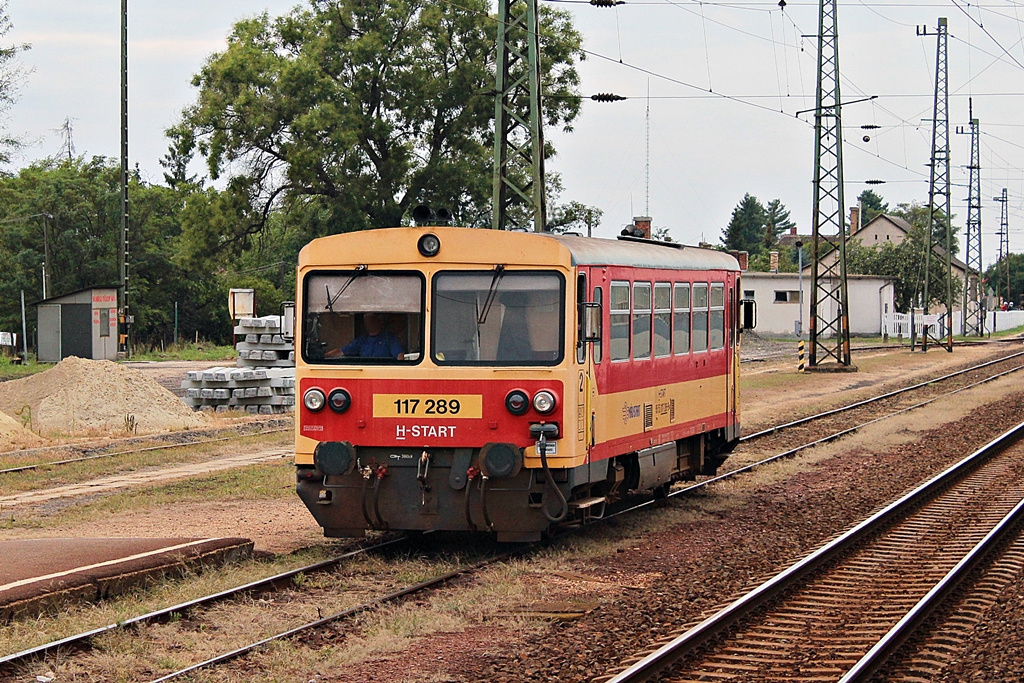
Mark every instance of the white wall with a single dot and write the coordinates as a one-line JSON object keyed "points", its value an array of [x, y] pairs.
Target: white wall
{"points": [[869, 297]]}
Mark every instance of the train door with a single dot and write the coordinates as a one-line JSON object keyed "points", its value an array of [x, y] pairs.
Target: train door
{"points": [[584, 372]]}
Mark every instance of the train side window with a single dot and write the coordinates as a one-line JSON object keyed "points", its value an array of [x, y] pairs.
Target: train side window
{"points": [[581, 298], [641, 320], [598, 295], [700, 317], [662, 319], [618, 315], [717, 328], [681, 323]]}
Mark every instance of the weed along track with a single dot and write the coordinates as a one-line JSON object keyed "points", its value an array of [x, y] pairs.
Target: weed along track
{"points": [[839, 612]]}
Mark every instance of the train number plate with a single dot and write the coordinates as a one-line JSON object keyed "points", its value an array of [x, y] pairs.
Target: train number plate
{"points": [[428, 406]]}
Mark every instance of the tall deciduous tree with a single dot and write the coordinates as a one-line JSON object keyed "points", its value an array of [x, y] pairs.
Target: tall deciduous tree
{"points": [[12, 76], [745, 231], [357, 110]]}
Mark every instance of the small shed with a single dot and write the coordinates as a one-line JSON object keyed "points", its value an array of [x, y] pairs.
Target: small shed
{"points": [[82, 323]]}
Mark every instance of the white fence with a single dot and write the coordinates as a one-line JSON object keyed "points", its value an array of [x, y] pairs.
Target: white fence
{"points": [[898, 324]]}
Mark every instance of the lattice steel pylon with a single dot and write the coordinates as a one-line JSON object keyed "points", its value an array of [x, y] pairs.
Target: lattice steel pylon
{"points": [[974, 312], [939, 185], [518, 195], [1003, 264], [829, 322]]}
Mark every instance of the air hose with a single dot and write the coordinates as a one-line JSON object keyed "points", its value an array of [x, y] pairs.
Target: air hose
{"points": [[549, 483]]}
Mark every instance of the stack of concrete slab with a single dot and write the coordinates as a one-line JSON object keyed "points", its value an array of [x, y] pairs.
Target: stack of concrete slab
{"points": [[256, 390], [260, 344], [263, 382]]}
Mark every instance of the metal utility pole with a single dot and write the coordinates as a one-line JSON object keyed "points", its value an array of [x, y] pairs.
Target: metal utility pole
{"points": [[125, 342], [829, 323], [1003, 264], [974, 312], [939, 183], [518, 134]]}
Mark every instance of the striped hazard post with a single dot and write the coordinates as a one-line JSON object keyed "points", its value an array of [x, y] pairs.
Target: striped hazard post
{"points": [[800, 355]]}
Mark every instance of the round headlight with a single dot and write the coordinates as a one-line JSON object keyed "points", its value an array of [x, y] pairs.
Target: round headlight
{"points": [[314, 400], [544, 402], [339, 400], [429, 245], [517, 402]]}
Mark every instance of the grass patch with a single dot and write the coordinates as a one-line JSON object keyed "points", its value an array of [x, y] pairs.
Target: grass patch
{"points": [[205, 351], [48, 476], [9, 370]]}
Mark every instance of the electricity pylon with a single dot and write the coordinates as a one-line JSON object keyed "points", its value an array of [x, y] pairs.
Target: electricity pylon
{"points": [[974, 312], [518, 196], [938, 185], [1003, 264], [829, 323]]}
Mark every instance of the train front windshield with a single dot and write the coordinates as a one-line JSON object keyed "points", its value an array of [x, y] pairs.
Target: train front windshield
{"points": [[363, 317], [497, 318]]}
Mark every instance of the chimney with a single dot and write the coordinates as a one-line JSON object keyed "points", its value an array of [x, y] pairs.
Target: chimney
{"points": [[742, 257], [854, 219], [792, 231], [773, 261], [642, 225]]}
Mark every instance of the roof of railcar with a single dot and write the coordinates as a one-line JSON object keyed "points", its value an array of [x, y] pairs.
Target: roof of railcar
{"points": [[468, 245], [589, 251]]}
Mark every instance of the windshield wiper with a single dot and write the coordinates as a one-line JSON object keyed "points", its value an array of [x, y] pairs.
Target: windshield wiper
{"points": [[360, 270], [499, 273]]}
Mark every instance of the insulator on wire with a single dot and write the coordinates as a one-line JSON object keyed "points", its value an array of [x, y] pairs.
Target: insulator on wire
{"points": [[607, 97], [870, 126], [607, 3], [874, 182]]}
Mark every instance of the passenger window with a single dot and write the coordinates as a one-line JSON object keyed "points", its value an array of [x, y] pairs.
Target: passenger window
{"points": [[717, 315], [642, 320], [598, 345], [700, 317], [681, 324], [662, 319], [618, 314]]}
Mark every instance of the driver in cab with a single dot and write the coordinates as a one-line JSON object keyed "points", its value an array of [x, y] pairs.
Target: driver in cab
{"points": [[375, 342]]}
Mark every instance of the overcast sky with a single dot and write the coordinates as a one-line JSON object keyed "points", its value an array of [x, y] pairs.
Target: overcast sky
{"points": [[706, 150]]}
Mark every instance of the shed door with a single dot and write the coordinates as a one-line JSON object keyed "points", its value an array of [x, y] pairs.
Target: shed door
{"points": [[76, 330], [48, 346]]}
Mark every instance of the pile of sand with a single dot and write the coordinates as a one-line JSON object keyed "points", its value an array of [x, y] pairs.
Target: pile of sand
{"points": [[96, 396], [13, 436]]}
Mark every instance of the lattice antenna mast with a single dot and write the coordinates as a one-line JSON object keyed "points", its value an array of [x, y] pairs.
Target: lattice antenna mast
{"points": [[974, 313], [829, 323], [647, 155], [125, 340], [938, 186], [518, 195], [1003, 265]]}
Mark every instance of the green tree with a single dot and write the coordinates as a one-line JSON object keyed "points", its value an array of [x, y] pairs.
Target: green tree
{"points": [[746, 228], [776, 222], [917, 215], [872, 205], [904, 263], [12, 77], [355, 112], [574, 217], [79, 200], [1005, 279]]}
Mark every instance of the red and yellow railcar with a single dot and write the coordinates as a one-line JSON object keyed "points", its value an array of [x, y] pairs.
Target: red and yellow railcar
{"points": [[463, 379]]}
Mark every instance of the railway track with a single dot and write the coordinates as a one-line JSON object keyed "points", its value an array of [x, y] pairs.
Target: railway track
{"points": [[21, 659], [840, 612]]}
